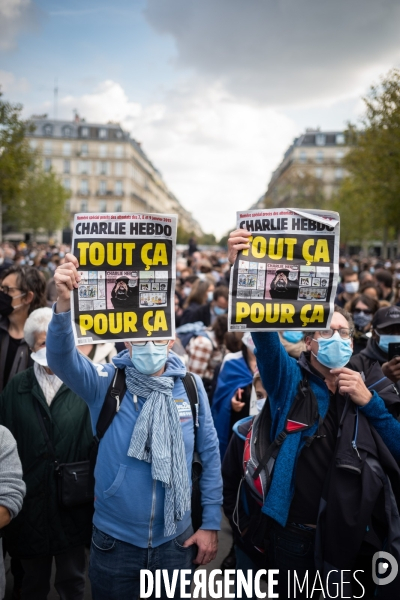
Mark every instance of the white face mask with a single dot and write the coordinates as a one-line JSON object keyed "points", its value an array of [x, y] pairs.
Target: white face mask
{"points": [[351, 287], [260, 403], [40, 357]]}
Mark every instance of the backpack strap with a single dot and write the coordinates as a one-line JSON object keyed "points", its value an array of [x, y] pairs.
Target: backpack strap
{"points": [[111, 404], [190, 385], [304, 395]]}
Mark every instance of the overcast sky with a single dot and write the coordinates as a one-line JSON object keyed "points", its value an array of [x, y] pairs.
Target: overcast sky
{"points": [[215, 90]]}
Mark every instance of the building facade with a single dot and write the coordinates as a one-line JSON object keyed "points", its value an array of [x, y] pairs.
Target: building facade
{"points": [[104, 169], [315, 160]]}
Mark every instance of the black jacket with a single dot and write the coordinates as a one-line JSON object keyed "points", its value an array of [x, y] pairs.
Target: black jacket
{"points": [[22, 357], [361, 492], [363, 361]]}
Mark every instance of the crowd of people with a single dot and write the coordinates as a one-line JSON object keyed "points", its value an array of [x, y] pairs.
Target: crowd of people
{"points": [[342, 384]]}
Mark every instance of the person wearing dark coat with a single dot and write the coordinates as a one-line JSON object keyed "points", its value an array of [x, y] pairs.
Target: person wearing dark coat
{"points": [[385, 330], [22, 290], [44, 529]]}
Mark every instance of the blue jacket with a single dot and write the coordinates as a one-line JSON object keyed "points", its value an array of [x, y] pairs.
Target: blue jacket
{"points": [[280, 375], [234, 374], [129, 505]]}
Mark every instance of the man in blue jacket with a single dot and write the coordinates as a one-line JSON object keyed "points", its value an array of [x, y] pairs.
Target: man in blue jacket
{"points": [[142, 516], [292, 503]]}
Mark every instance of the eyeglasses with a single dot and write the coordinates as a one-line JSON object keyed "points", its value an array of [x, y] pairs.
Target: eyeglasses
{"points": [[7, 290], [344, 332], [155, 342], [357, 311]]}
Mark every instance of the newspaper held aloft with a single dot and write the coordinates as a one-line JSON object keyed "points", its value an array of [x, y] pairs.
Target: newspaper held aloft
{"points": [[288, 277], [127, 270]]}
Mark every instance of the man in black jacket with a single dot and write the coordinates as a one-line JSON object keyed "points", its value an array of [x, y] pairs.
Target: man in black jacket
{"points": [[385, 330]]}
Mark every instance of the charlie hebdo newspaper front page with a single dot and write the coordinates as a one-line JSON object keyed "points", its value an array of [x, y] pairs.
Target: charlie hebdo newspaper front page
{"points": [[127, 269]]}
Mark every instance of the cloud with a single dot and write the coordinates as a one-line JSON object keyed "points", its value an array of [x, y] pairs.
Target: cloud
{"points": [[289, 52], [11, 84], [15, 17], [108, 102], [215, 153]]}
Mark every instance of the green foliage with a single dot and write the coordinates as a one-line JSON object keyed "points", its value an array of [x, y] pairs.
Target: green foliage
{"points": [[42, 203], [182, 236], [30, 198], [369, 199], [16, 157]]}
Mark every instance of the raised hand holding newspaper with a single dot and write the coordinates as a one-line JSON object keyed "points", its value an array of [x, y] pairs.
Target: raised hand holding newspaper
{"points": [[288, 277]]}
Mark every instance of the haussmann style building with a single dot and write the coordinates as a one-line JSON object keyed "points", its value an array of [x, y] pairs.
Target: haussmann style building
{"points": [[105, 170]]}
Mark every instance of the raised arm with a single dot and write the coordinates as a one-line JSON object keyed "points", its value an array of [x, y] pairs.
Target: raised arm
{"points": [[84, 378]]}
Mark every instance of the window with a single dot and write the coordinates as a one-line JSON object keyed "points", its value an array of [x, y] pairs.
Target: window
{"points": [[84, 188], [117, 206], [102, 168], [102, 134], [338, 173], [318, 173], [47, 164], [84, 150], [118, 169], [102, 150], [320, 139], [67, 166], [85, 132], [102, 187], [48, 129], [340, 139], [84, 206], [84, 167], [118, 135], [339, 155], [67, 132], [67, 183], [33, 144], [319, 157], [67, 149], [119, 151], [67, 205], [303, 157], [102, 205], [118, 188], [48, 147]]}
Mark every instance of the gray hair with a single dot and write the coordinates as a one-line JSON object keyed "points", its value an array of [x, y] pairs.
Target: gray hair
{"points": [[37, 322]]}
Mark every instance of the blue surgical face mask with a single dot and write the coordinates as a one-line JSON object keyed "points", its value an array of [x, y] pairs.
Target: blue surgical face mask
{"points": [[149, 359], [219, 311], [210, 296], [334, 352], [385, 340], [293, 336], [260, 403]]}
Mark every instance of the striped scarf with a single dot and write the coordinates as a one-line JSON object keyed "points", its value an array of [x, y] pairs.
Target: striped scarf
{"points": [[157, 439]]}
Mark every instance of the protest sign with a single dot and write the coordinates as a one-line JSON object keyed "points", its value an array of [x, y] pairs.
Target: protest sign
{"points": [[287, 279], [127, 270]]}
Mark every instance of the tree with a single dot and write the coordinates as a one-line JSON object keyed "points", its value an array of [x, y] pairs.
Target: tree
{"points": [[42, 202], [373, 163], [16, 157]]}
